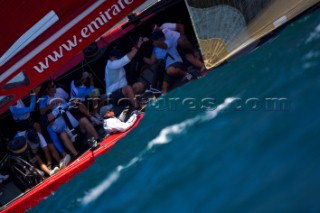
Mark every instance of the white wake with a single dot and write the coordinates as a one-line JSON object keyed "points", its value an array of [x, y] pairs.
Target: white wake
{"points": [[164, 137], [315, 35]]}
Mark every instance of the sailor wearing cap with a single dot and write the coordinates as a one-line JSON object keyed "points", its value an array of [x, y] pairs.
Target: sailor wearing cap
{"points": [[117, 87], [112, 124]]}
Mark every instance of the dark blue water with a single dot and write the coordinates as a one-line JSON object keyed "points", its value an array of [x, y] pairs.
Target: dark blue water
{"points": [[243, 153]]}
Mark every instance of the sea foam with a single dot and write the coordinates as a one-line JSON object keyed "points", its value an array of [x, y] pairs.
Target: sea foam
{"points": [[164, 137]]}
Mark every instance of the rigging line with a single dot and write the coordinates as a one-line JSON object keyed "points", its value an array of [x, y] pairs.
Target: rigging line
{"points": [[68, 73], [83, 70], [92, 71], [3, 160], [131, 39]]}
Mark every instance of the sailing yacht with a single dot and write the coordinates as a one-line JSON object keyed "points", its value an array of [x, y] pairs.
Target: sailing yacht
{"points": [[50, 40]]}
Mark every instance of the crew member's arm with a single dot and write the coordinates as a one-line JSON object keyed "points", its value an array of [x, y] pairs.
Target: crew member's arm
{"points": [[173, 26], [17, 111], [124, 126], [44, 107], [150, 60], [161, 44], [42, 165], [116, 64], [135, 49], [113, 125], [56, 111]]}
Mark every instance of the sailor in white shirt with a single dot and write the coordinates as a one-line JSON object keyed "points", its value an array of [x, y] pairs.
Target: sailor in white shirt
{"points": [[176, 32], [171, 31], [113, 124], [117, 87]]}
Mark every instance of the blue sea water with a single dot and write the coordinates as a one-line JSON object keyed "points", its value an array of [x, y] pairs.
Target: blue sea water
{"points": [[255, 148]]}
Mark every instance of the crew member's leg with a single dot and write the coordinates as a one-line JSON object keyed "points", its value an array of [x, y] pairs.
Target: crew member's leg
{"points": [[54, 152], [185, 43], [68, 143], [87, 127], [138, 88], [194, 60], [175, 72], [127, 91]]}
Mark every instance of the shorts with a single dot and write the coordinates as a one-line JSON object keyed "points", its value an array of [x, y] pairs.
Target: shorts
{"points": [[76, 113], [178, 65], [171, 80]]}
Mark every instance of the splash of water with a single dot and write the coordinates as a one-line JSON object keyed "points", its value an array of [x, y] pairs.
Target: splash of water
{"points": [[163, 138]]}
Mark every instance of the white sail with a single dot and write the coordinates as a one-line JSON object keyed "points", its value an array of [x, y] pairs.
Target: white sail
{"points": [[226, 27]]}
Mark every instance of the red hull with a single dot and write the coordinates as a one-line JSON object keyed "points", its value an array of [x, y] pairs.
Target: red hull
{"points": [[73, 32], [78, 22], [51, 184]]}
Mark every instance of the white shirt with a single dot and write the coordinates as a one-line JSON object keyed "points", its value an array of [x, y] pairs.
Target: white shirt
{"points": [[174, 55], [114, 124], [170, 31], [115, 74]]}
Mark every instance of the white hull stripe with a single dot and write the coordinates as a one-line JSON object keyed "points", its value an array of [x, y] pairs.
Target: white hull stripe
{"points": [[30, 35], [49, 41]]}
